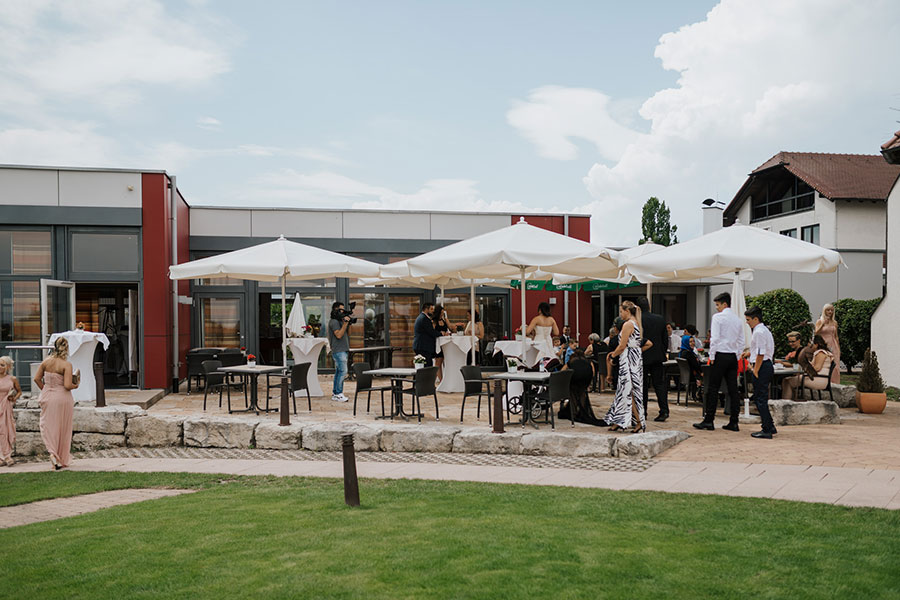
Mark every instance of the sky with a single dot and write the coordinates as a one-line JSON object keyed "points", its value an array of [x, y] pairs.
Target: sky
{"points": [[584, 107]]}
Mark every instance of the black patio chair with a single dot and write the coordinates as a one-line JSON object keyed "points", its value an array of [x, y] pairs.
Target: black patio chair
{"points": [[475, 386], [556, 390], [364, 383], [194, 360], [215, 380], [423, 385], [298, 383], [685, 380]]}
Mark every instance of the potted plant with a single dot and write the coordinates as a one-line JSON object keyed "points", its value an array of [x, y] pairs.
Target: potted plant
{"points": [[870, 396], [519, 336], [251, 360], [244, 350], [418, 361], [512, 365], [307, 331]]}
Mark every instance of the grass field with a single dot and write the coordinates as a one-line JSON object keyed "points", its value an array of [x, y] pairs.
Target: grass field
{"points": [[266, 537]]}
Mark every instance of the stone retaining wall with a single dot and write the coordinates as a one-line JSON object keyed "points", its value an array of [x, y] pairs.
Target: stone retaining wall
{"points": [[120, 425]]}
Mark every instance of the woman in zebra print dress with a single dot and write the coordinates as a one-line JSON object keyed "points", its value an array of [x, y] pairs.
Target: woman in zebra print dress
{"points": [[630, 388]]}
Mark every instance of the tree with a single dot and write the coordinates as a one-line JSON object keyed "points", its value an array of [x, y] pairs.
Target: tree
{"points": [[784, 310], [655, 225], [854, 318]]}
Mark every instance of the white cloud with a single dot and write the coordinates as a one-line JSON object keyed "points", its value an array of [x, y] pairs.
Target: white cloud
{"points": [[176, 156], [552, 115], [754, 78], [209, 123], [69, 145]]}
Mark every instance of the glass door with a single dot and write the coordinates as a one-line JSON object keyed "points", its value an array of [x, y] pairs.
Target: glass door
{"points": [[220, 321], [57, 307]]}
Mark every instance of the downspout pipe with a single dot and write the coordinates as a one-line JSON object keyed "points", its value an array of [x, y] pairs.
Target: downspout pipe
{"points": [[173, 195]]}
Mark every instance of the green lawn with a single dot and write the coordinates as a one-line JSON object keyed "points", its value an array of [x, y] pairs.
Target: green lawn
{"points": [[264, 537], [851, 379]]}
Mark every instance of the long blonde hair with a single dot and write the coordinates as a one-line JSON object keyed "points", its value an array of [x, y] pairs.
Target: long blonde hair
{"points": [[8, 363], [635, 311], [60, 348], [823, 317]]}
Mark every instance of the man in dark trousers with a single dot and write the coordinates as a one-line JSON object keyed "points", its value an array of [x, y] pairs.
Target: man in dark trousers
{"points": [[654, 357], [726, 344], [425, 335]]}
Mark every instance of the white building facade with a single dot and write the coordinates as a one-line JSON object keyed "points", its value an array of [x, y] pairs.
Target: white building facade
{"points": [[885, 325]]}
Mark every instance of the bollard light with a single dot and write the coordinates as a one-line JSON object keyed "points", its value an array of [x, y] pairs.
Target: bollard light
{"points": [[351, 483], [498, 408], [100, 387], [285, 405]]}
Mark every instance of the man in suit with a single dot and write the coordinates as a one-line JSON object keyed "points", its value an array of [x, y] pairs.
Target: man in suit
{"points": [[425, 335], [655, 331]]}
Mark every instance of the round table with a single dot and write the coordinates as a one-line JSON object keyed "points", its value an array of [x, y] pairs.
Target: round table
{"points": [[455, 348], [307, 350], [81, 355]]}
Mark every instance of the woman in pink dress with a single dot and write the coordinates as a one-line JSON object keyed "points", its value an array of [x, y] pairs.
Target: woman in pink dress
{"points": [[827, 327], [9, 393], [55, 379]]}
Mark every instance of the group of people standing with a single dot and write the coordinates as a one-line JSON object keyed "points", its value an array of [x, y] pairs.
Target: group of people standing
{"points": [[56, 380], [434, 322]]}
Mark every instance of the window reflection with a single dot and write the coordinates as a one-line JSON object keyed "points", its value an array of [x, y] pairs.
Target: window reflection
{"points": [[221, 327]]}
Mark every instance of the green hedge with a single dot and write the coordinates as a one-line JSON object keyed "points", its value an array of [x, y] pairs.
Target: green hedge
{"points": [[783, 310], [854, 318]]}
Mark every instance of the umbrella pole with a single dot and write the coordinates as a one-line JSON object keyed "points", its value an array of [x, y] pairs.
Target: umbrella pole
{"points": [[283, 327], [650, 296], [577, 316], [522, 279], [472, 307]]}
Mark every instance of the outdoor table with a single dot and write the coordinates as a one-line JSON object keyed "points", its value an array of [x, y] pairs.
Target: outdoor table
{"points": [[388, 352], [307, 350], [779, 372], [455, 348], [398, 375], [81, 355], [253, 372], [527, 379], [526, 350]]}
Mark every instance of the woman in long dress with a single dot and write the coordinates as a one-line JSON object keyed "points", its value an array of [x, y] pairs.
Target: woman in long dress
{"points": [[56, 381], [479, 335], [827, 327], [627, 409], [543, 326], [9, 393]]}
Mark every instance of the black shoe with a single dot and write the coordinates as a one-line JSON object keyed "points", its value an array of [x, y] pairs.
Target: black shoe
{"points": [[662, 417], [731, 427], [704, 425], [761, 434]]}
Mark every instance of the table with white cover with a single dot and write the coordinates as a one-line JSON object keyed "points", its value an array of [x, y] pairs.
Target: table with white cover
{"points": [[307, 349], [81, 354], [526, 350], [455, 349]]}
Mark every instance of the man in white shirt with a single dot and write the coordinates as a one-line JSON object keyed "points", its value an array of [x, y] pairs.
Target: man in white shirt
{"points": [[674, 339], [726, 343], [762, 348]]}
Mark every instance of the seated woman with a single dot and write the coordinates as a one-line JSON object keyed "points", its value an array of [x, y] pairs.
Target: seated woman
{"points": [[821, 364], [582, 376], [687, 352], [596, 347]]}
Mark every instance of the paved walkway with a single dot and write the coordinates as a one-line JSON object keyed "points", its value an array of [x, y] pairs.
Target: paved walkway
{"points": [[879, 488], [58, 508]]}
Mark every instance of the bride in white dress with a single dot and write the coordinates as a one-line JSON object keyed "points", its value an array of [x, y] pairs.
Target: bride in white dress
{"points": [[543, 326]]}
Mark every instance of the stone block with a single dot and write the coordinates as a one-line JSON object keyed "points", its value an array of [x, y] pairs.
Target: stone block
{"points": [[482, 441], [548, 443], [109, 419], [27, 419], [29, 443], [788, 412], [155, 430], [647, 445], [96, 441], [327, 437], [417, 438], [844, 395], [275, 437], [219, 432]]}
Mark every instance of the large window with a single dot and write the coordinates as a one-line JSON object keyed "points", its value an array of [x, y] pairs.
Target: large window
{"points": [[810, 234], [105, 252], [221, 324], [385, 319], [781, 196], [20, 311], [25, 253], [25, 257], [790, 232]]}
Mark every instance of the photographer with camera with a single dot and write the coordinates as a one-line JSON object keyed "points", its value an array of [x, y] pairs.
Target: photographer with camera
{"points": [[340, 346]]}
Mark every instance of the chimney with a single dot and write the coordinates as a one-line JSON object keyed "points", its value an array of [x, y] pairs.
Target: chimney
{"points": [[713, 212]]}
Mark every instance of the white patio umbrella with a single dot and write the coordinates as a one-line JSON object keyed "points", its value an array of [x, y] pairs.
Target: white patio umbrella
{"points": [[296, 320], [280, 260], [511, 252]]}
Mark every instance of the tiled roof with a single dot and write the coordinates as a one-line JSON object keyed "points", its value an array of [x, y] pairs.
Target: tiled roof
{"points": [[839, 176], [891, 149]]}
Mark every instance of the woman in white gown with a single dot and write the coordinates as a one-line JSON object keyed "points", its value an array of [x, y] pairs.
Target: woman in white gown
{"points": [[543, 326]]}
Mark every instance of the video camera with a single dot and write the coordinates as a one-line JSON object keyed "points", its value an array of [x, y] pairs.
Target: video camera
{"points": [[340, 313]]}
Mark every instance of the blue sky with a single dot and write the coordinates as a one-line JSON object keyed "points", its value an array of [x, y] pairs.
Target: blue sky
{"points": [[572, 106]]}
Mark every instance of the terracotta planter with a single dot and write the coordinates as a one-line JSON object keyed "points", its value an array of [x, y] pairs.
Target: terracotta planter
{"points": [[871, 403]]}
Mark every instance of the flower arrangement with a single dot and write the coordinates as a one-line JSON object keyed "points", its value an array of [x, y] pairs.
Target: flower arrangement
{"points": [[512, 365], [518, 330], [251, 360], [307, 330], [418, 359]]}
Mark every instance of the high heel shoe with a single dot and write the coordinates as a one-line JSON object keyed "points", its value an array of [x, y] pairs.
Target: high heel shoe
{"points": [[55, 462], [639, 428], [616, 429]]}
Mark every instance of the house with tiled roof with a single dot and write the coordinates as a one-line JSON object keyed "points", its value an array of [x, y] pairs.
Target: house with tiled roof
{"points": [[885, 325], [835, 200]]}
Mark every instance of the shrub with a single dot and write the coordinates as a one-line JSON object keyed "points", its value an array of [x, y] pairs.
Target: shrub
{"points": [[870, 381], [784, 310], [854, 319]]}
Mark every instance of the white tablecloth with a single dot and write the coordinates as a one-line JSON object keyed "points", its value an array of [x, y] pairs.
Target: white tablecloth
{"points": [[455, 348], [81, 355], [308, 350], [526, 350]]}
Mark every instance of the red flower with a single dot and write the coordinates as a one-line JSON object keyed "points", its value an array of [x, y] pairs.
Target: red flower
{"points": [[243, 348], [251, 357]]}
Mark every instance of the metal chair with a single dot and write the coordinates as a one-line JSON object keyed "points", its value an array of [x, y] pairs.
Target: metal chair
{"points": [[556, 390], [215, 379], [599, 372], [364, 384], [474, 387], [194, 360], [423, 385], [804, 377], [298, 383]]}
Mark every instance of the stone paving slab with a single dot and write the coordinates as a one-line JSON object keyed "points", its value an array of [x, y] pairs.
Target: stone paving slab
{"points": [[59, 508]]}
